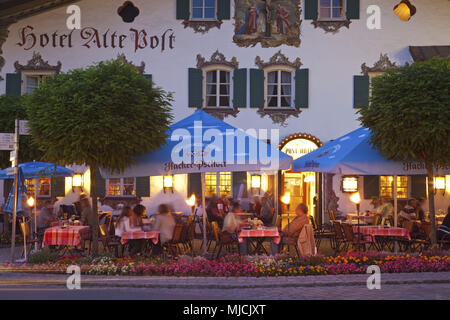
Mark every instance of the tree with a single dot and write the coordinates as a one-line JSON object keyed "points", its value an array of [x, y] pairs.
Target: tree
{"points": [[409, 117], [102, 116], [11, 108]]}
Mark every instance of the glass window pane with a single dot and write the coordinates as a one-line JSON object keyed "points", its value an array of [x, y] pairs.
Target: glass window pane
{"points": [[29, 184], [197, 13], [210, 3], [286, 90], [44, 187], [337, 12], [338, 3], [211, 77], [211, 89], [324, 12], [273, 102], [285, 77], [272, 77], [197, 3], [272, 90], [211, 101], [224, 77], [224, 101], [114, 187], [32, 81], [225, 89], [286, 101], [210, 13], [325, 3]]}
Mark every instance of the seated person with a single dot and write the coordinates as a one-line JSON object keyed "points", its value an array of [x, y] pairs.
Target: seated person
{"points": [[135, 224], [232, 224], [420, 213], [46, 217], [212, 211], [443, 232], [266, 212], [408, 213], [293, 229], [164, 222], [385, 209], [123, 222]]}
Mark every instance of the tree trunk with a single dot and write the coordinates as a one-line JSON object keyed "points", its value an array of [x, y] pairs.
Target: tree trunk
{"points": [[430, 176], [94, 227]]}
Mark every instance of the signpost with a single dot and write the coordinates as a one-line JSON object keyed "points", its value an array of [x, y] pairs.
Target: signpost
{"points": [[16, 188], [6, 141]]}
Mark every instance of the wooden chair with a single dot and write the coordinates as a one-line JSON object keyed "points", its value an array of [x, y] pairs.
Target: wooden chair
{"points": [[320, 233], [355, 239], [172, 245], [332, 215], [222, 241], [339, 238], [287, 241]]}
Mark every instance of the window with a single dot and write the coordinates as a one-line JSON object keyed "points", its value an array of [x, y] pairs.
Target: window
{"points": [[217, 88], [386, 186], [279, 88], [331, 9], [203, 10], [42, 185], [121, 187], [32, 82], [218, 183]]}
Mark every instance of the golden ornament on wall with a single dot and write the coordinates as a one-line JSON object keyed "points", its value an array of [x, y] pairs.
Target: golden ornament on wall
{"points": [[405, 10]]}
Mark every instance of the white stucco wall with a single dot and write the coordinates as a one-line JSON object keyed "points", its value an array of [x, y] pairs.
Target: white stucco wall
{"points": [[332, 59]]}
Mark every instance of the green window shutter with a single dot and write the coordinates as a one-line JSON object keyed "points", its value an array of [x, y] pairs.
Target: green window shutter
{"points": [[371, 186], [223, 9], [195, 88], [240, 88], [418, 187], [239, 178], [183, 9], [311, 9], [149, 78], [143, 186], [360, 91], [352, 9], [100, 184], [58, 187], [7, 185], [195, 185], [13, 84], [301, 88], [256, 88]]}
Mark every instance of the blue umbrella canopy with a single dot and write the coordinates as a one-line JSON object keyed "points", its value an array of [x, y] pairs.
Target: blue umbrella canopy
{"points": [[36, 169], [21, 199], [189, 149], [354, 154]]}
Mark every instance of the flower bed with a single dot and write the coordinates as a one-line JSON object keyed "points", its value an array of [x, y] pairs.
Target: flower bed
{"points": [[249, 266]]}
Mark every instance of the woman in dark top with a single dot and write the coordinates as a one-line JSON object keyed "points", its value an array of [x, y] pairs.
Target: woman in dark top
{"points": [[443, 232]]}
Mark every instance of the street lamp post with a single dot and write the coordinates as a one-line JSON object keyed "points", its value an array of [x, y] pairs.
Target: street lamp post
{"points": [[286, 199], [356, 199]]}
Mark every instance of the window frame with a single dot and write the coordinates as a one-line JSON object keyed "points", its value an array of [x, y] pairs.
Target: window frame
{"points": [[40, 74], [191, 11], [279, 68], [217, 68], [391, 187], [121, 188], [331, 18], [36, 187], [218, 185]]}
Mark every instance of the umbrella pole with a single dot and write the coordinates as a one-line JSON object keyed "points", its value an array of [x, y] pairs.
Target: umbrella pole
{"points": [[35, 218], [204, 213], [395, 210]]}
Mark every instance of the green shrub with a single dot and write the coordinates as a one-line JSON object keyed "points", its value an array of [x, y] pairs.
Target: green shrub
{"points": [[43, 256]]}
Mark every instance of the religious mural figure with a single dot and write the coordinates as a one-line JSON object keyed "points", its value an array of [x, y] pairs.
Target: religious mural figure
{"points": [[269, 22]]}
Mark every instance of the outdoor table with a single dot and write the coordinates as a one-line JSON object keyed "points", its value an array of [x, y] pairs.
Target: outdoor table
{"points": [[259, 235], [366, 219], [66, 236], [134, 235], [381, 231]]}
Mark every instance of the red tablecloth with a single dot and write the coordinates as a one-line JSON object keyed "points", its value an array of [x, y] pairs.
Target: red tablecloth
{"points": [[373, 231], [255, 233], [70, 236], [133, 235]]}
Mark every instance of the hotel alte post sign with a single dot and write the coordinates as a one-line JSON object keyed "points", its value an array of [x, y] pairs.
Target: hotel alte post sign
{"points": [[299, 144]]}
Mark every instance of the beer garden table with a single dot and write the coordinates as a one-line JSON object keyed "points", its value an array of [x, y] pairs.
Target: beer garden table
{"points": [[66, 236], [259, 235], [134, 235]]}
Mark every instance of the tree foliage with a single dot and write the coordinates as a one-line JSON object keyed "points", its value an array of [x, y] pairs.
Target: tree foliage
{"points": [[103, 115], [409, 112], [11, 108]]}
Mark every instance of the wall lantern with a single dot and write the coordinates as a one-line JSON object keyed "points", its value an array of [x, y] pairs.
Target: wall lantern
{"points": [[77, 181], [256, 181], [405, 10], [349, 184], [439, 184], [168, 183]]}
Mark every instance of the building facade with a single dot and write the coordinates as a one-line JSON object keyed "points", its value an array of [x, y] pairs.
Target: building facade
{"points": [[300, 66]]}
